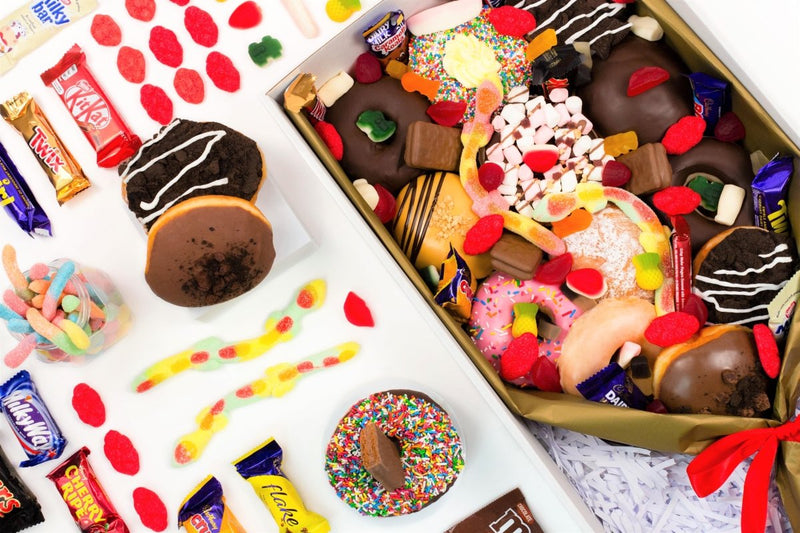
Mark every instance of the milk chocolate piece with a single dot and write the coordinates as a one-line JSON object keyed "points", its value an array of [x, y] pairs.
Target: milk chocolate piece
{"points": [[650, 169], [508, 514], [433, 147], [515, 256], [381, 457]]}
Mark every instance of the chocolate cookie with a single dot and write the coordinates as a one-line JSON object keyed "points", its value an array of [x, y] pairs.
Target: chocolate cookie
{"points": [[188, 159], [740, 271], [207, 250], [727, 162], [377, 162], [650, 113]]}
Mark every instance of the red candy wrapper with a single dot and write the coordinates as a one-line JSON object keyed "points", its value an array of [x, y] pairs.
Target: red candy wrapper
{"points": [[100, 122], [87, 501], [681, 260]]}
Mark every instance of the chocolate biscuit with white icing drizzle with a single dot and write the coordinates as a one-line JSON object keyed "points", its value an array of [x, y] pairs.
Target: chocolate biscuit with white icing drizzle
{"points": [[739, 272], [188, 159]]}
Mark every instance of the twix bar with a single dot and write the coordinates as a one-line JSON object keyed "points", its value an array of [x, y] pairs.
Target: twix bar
{"points": [[64, 172]]}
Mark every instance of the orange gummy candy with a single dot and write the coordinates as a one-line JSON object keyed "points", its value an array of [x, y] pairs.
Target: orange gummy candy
{"points": [[541, 44], [621, 143], [578, 220], [411, 81]]}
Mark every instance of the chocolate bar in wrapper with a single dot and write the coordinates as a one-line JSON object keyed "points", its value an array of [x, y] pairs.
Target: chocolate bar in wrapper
{"points": [[19, 508], [712, 98], [29, 26], [612, 385], [507, 514], [64, 172], [204, 510], [770, 187], [19, 201], [388, 37], [97, 117]]}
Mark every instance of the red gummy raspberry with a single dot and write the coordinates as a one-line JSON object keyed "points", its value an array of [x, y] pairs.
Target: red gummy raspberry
{"points": [[246, 16], [165, 46], [367, 68], [490, 175], [120, 453], [616, 174], [767, 348], [222, 72], [331, 138], [387, 205], [509, 20], [483, 235], [545, 375], [588, 282], [646, 78], [672, 328], [105, 31], [555, 271], [447, 113], [729, 128], [151, 510], [201, 26], [520, 356], [676, 200], [356, 311], [541, 158], [130, 63], [88, 405], [684, 135], [143, 10], [156, 103], [189, 85], [180, 2]]}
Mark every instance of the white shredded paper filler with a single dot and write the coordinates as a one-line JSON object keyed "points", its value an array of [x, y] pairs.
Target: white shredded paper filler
{"points": [[634, 490]]}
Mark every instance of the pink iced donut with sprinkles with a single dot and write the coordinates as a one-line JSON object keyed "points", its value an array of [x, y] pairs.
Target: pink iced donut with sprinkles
{"points": [[491, 319]]}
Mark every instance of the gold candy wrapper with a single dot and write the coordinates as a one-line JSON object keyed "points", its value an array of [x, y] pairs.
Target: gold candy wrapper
{"points": [[64, 172], [28, 27]]}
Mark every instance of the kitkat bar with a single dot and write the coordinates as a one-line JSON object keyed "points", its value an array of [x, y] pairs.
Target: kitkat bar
{"points": [[91, 109], [507, 514]]}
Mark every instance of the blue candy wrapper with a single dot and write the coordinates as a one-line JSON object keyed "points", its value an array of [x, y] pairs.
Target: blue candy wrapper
{"points": [[770, 189], [613, 386], [712, 98], [30, 420]]}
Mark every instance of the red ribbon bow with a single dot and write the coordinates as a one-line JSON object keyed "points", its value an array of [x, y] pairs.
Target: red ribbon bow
{"points": [[709, 470]]}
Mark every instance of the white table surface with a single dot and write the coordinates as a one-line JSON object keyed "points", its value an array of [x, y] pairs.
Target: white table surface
{"points": [[407, 346]]}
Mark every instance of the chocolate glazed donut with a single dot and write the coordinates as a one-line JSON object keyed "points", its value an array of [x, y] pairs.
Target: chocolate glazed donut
{"points": [[731, 164], [607, 104], [383, 162]]}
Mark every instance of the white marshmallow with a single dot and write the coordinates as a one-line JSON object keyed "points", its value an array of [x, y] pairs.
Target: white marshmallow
{"points": [[518, 95], [537, 102], [512, 155], [730, 203], [646, 27], [513, 113], [569, 181], [558, 95], [574, 105], [334, 88], [551, 116], [582, 145], [498, 123], [543, 135]]}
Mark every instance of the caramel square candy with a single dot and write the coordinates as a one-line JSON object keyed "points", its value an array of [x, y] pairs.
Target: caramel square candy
{"points": [[650, 169], [433, 147]]}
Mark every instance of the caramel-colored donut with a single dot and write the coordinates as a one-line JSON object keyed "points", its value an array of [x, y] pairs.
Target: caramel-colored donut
{"points": [[207, 250], [597, 334]]}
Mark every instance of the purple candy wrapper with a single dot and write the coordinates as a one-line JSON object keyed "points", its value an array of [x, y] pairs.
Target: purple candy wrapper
{"points": [[205, 511], [17, 198], [712, 98], [455, 288], [388, 37], [770, 188], [613, 386]]}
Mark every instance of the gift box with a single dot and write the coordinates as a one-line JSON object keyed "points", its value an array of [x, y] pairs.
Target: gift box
{"points": [[669, 433]]}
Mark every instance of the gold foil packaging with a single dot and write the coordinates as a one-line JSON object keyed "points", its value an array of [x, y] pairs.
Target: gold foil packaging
{"points": [[64, 172]]}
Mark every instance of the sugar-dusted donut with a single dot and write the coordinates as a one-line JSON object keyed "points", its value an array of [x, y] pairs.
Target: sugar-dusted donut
{"points": [[188, 159], [728, 163], [430, 450], [377, 162], [491, 319], [597, 334], [207, 250]]}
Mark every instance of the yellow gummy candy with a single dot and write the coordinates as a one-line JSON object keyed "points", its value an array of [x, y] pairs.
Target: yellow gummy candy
{"points": [[524, 319], [648, 273], [621, 143], [396, 69], [469, 60], [541, 44], [337, 12], [591, 196]]}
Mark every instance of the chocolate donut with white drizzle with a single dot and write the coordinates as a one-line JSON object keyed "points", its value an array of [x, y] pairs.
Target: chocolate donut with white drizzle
{"points": [[186, 159], [739, 272]]}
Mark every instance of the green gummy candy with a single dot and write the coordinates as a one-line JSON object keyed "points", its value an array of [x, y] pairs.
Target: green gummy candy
{"points": [[525, 309], [262, 52], [708, 190], [377, 127], [646, 261], [70, 303]]}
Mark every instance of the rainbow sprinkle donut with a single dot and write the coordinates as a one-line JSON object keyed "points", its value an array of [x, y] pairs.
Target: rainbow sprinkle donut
{"points": [[430, 451]]}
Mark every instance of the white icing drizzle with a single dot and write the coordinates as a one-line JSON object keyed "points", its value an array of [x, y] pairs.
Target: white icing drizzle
{"points": [[555, 14], [610, 32], [156, 214], [776, 261], [161, 134], [531, 5], [763, 286], [733, 310], [588, 15], [778, 249], [610, 13]]}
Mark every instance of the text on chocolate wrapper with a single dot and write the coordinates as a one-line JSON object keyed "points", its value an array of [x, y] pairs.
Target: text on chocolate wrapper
{"points": [[51, 12], [510, 522], [5, 198], [28, 421], [287, 513], [7, 500], [78, 496], [49, 155]]}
